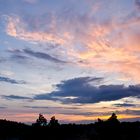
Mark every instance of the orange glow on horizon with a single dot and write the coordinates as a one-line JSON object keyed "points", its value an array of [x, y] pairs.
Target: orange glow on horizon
{"points": [[31, 117]]}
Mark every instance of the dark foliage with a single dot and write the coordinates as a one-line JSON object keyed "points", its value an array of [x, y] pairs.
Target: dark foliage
{"points": [[111, 129], [53, 122], [41, 121]]}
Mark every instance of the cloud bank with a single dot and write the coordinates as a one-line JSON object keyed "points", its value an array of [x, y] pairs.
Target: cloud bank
{"points": [[82, 90]]}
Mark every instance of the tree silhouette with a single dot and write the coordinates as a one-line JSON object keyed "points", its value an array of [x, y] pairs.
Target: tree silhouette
{"points": [[41, 121], [53, 122], [109, 129], [99, 120], [113, 119]]}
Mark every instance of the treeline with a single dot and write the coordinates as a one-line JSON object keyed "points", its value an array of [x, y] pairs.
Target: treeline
{"points": [[111, 129], [42, 121]]}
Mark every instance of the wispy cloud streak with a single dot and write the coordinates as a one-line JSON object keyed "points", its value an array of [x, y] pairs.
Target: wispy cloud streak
{"points": [[42, 55], [14, 97], [11, 81]]}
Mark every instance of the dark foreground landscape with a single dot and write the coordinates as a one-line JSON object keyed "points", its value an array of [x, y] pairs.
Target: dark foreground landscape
{"points": [[110, 129]]}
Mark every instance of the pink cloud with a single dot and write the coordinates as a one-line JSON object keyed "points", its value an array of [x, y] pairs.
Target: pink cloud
{"points": [[16, 28], [108, 47]]}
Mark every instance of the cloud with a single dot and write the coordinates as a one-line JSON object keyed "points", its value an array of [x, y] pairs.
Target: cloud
{"points": [[42, 55], [21, 54], [51, 107], [129, 111], [11, 81], [14, 97], [20, 32], [6, 73], [137, 2], [124, 105], [80, 113], [3, 107], [82, 90], [63, 110], [37, 107], [18, 57], [106, 41]]}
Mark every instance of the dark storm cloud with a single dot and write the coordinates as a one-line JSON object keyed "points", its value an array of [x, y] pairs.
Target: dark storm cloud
{"points": [[11, 81], [14, 97], [82, 90], [42, 55]]}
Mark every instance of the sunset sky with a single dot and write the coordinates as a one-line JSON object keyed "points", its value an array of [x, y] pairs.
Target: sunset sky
{"points": [[76, 59]]}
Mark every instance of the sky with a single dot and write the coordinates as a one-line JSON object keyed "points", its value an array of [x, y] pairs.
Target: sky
{"points": [[75, 59]]}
